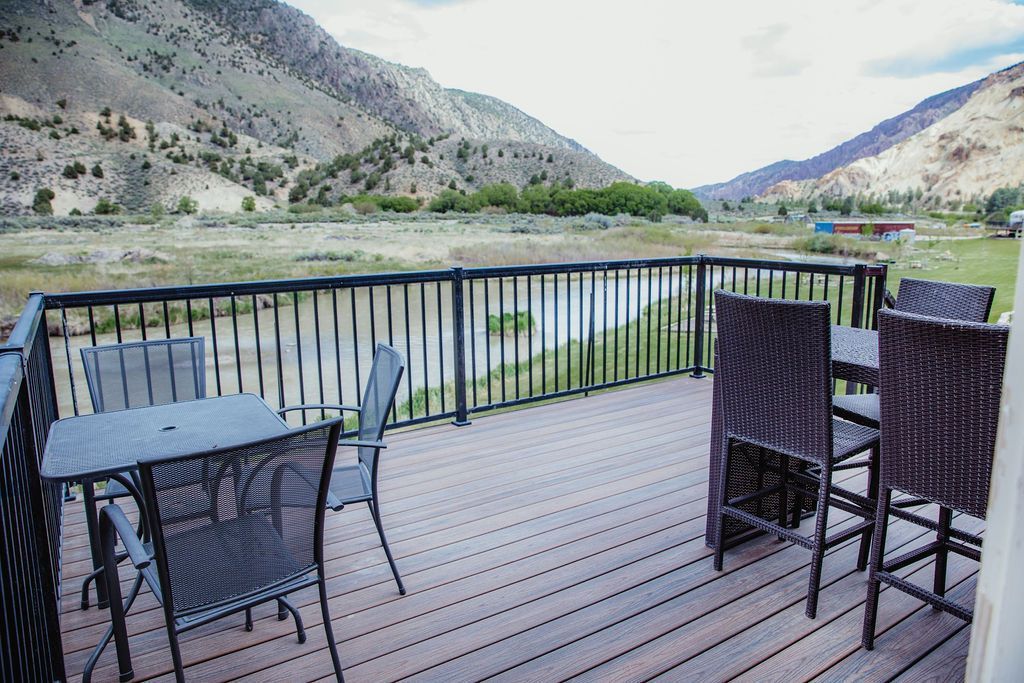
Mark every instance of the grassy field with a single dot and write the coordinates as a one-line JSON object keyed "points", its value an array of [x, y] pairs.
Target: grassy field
{"points": [[103, 253]]}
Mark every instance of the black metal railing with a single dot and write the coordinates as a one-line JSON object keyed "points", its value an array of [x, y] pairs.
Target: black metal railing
{"points": [[474, 340], [31, 511]]}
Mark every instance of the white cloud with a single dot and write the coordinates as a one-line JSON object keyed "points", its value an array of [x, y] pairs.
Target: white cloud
{"points": [[692, 93]]}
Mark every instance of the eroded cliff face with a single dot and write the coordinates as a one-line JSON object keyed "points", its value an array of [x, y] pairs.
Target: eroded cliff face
{"points": [[972, 151]]}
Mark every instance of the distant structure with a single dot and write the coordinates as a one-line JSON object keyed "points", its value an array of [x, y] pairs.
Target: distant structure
{"points": [[887, 230]]}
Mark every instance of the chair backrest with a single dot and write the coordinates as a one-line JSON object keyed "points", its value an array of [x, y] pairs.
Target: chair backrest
{"points": [[940, 385], [147, 373], [950, 300], [774, 363], [378, 397], [233, 521]]}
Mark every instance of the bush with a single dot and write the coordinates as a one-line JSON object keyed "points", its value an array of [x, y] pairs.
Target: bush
{"points": [[97, 171], [365, 207], [41, 202], [69, 172], [508, 323], [105, 207], [248, 204], [187, 205]]}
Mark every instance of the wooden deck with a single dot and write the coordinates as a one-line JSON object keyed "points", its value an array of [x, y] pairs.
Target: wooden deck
{"points": [[549, 543]]}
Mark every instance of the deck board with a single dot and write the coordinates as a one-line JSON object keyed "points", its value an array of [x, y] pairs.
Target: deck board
{"points": [[553, 542]]}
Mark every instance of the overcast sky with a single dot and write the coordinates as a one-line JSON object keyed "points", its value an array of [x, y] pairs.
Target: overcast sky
{"points": [[686, 92]]}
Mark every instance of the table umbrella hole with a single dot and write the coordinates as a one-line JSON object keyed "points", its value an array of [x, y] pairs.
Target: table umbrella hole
{"points": [[168, 428]]}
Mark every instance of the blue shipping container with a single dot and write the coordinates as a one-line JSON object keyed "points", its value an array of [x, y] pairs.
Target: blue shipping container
{"points": [[823, 226]]}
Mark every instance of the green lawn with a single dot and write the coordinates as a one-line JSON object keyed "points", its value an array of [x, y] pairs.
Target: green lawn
{"points": [[979, 261]]}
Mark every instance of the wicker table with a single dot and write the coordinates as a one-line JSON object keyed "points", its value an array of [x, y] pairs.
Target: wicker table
{"points": [[854, 358], [89, 448]]}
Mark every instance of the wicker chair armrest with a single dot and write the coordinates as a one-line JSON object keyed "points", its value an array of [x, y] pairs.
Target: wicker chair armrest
{"points": [[319, 406], [120, 524], [889, 300]]}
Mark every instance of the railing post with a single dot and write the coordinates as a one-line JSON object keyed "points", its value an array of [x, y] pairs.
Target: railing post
{"points": [[698, 330], [857, 309], [459, 335], [880, 293]]}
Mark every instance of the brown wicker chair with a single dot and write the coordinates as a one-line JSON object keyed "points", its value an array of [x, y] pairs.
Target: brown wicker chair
{"points": [[775, 375], [950, 300], [940, 387]]}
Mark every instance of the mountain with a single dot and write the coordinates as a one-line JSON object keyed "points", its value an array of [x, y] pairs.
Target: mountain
{"points": [[877, 140], [963, 157], [228, 98]]}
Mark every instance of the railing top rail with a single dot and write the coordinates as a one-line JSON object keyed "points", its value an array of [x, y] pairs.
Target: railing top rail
{"points": [[794, 266], [203, 291], [11, 373], [577, 266], [24, 329]]}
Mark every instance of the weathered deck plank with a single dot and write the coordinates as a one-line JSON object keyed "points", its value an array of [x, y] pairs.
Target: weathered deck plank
{"points": [[549, 543]]}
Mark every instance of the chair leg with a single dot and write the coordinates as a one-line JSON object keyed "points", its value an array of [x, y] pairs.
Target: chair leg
{"points": [[282, 610], [723, 499], [818, 545], [865, 539], [112, 584], [283, 605], [784, 493], [375, 513], [328, 630], [172, 639], [945, 519], [875, 566], [248, 618]]}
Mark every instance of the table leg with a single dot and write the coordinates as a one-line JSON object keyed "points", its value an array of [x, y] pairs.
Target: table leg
{"points": [[92, 526]]}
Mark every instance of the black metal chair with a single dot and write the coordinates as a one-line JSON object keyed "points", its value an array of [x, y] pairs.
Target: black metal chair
{"points": [[252, 540], [934, 298], [941, 383], [146, 373], [357, 483], [139, 374], [775, 371]]}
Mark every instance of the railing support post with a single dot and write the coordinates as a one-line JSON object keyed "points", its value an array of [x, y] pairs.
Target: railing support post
{"points": [[857, 309], [698, 330], [459, 335]]}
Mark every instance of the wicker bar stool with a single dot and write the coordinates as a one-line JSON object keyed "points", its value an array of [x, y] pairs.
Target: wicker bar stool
{"points": [[941, 382], [775, 371], [949, 300]]}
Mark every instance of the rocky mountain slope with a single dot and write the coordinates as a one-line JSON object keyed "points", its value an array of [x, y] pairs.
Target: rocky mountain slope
{"points": [[245, 82], [962, 157], [877, 140]]}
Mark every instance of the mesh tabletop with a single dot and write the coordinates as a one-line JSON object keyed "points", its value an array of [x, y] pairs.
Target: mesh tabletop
{"points": [[92, 446], [855, 354]]}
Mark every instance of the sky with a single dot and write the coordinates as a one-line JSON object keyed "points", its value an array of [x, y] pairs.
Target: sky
{"points": [[687, 92]]}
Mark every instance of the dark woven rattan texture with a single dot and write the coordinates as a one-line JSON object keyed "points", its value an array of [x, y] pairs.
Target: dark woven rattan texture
{"points": [[255, 529], [781, 356], [952, 300], [941, 382], [145, 373]]}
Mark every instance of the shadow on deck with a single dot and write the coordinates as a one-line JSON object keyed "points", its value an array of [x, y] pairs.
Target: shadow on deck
{"points": [[554, 542]]}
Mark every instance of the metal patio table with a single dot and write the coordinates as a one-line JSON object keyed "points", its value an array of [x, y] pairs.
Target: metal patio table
{"points": [[89, 448], [854, 358]]}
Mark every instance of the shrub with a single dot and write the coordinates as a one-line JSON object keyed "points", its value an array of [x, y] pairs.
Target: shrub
{"points": [[508, 323], [248, 204], [97, 171], [105, 207], [365, 207], [70, 172], [15, 175], [41, 202], [187, 205]]}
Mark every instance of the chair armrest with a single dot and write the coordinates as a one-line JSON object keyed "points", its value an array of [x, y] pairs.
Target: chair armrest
{"points": [[889, 300], [136, 551], [360, 444], [319, 406], [333, 502]]}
